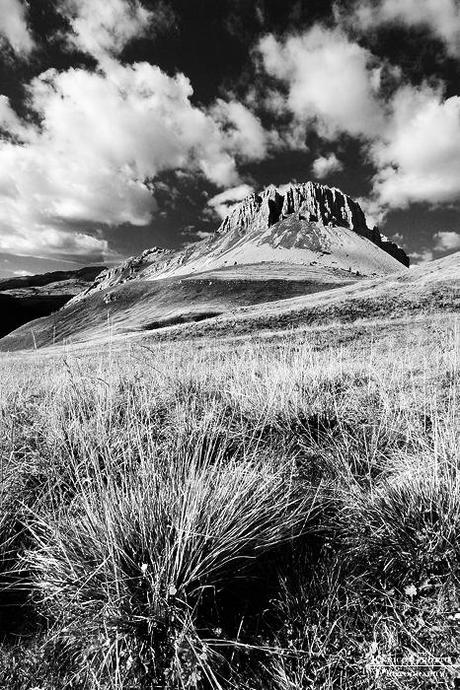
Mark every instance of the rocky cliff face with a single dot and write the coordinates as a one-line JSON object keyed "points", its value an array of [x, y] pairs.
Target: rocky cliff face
{"points": [[311, 202]]}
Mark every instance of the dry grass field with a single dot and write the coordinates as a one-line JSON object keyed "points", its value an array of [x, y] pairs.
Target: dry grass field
{"points": [[281, 512]]}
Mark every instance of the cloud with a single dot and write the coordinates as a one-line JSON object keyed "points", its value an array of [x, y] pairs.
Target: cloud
{"points": [[332, 82], [48, 241], [103, 138], [244, 131], [418, 154], [374, 211], [441, 17], [13, 27], [446, 241], [421, 257], [329, 83], [104, 27], [324, 166], [225, 202], [9, 121]]}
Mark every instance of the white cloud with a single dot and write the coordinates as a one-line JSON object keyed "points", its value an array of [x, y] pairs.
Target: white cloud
{"points": [[244, 131], [374, 211], [441, 17], [332, 85], [42, 241], [226, 201], [103, 27], [331, 81], [398, 238], [103, 135], [324, 166], [13, 26], [9, 121], [446, 241], [421, 257], [418, 155]]}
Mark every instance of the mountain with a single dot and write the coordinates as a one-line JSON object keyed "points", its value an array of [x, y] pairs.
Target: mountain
{"points": [[25, 298], [285, 242], [299, 224]]}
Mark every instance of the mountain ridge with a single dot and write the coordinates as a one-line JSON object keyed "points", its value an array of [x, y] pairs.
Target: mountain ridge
{"points": [[301, 224], [85, 274]]}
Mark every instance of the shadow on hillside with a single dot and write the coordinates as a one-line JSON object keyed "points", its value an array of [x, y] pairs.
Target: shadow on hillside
{"points": [[180, 319]]}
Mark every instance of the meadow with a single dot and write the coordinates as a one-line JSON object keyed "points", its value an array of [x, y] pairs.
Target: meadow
{"points": [[269, 512]]}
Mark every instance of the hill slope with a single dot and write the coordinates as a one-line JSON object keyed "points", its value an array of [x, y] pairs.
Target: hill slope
{"points": [[275, 245], [425, 289]]}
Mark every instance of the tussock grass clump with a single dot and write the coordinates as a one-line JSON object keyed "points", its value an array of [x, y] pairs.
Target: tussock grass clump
{"points": [[404, 529], [130, 574]]}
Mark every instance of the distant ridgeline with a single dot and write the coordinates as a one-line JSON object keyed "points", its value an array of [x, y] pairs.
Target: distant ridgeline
{"points": [[24, 298]]}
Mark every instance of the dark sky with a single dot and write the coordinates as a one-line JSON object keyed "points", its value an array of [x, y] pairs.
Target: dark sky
{"points": [[130, 124]]}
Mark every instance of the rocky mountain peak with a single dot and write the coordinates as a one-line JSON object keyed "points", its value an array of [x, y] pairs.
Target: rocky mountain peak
{"points": [[314, 202], [310, 201]]}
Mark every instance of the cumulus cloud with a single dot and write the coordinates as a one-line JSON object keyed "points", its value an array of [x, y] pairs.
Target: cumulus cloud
{"points": [[446, 241], [226, 201], [103, 27], [245, 132], [103, 138], [331, 81], [332, 85], [10, 123], [326, 165], [41, 240], [374, 211], [13, 26], [418, 154], [441, 17]]}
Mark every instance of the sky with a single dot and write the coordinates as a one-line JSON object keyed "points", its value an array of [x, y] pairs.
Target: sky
{"points": [[127, 124]]}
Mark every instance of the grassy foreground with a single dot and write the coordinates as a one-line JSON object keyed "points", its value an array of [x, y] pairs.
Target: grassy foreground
{"points": [[267, 514]]}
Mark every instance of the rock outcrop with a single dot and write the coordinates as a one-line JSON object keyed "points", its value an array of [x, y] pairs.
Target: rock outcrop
{"points": [[312, 202]]}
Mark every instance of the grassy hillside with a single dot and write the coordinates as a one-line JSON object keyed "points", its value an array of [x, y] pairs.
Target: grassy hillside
{"points": [[149, 305], [242, 300], [280, 512]]}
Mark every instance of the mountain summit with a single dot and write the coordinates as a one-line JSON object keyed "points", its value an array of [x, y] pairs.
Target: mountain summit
{"points": [[311, 202], [303, 225]]}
